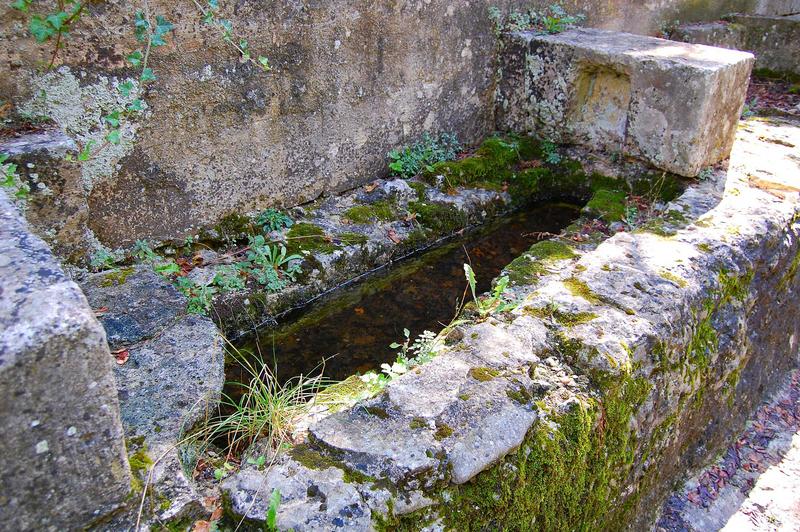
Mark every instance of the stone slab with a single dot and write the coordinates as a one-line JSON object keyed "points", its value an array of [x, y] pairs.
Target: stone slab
{"points": [[62, 454], [671, 104]]}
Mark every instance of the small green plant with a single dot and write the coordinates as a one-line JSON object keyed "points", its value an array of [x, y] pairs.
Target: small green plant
{"points": [[223, 471], [102, 259], [706, 173], [274, 220], [269, 265], [261, 407], [553, 19], [409, 161], [272, 511], [11, 179], [550, 152], [200, 297], [631, 217], [494, 302], [229, 278], [750, 108], [211, 17]]}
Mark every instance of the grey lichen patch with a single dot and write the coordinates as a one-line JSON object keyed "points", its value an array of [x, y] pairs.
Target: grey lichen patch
{"points": [[79, 111]]}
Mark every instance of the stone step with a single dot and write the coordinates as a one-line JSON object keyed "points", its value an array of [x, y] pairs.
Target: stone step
{"points": [[671, 104]]}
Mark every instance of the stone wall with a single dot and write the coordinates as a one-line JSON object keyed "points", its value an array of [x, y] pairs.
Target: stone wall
{"points": [[351, 80]]}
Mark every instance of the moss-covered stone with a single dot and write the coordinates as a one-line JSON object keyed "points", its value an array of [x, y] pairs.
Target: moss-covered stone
{"points": [[527, 268], [568, 474], [306, 236], [233, 227], [441, 218], [420, 188], [482, 374], [351, 239], [669, 276], [116, 277], [418, 423], [384, 211], [581, 289], [567, 319], [443, 431], [608, 205]]}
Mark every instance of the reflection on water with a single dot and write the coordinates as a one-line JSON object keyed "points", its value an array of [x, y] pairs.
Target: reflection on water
{"points": [[354, 328]]}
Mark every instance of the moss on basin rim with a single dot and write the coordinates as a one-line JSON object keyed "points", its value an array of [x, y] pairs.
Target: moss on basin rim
{"points": [[566, 475]]}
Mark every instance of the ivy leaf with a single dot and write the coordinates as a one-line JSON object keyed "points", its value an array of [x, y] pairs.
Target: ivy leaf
{"points": [[141, 26], [147, 75], [213, 4], [227, 26], [57, 20], [136, 105], [264, 62], [125, 88], [86, 151], [208, 18], [113, 137], [40, 29], [113, 119], [21, 5], [163, 26], [135, 58]]}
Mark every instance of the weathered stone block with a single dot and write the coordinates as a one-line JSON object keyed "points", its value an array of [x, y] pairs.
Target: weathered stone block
{"points": [[671, 104], [62, 454], [775, 41], [777, 7]]}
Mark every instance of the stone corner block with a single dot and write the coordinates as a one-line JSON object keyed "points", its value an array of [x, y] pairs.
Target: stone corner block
{"points": [[62, 456], [674, 105]]}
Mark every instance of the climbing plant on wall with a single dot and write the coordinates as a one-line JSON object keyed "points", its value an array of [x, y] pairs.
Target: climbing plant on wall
{"points": [[53, 26]]}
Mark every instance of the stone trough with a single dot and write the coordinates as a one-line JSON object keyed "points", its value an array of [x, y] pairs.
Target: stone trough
{"points": [[628, 360]]}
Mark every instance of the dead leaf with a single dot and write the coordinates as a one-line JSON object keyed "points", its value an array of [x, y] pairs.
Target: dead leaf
{"points": [[121, 356], [370, 187], [216, 514], [201, 526], [209, 503], [392, 234], [410, 217], [100, 311], [359, 311]]}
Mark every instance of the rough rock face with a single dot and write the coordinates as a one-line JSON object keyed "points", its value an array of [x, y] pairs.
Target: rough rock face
{"points": [[673, 105], [623, 367], [774, 40], [173, 373], [62, 454], [777, 7]]}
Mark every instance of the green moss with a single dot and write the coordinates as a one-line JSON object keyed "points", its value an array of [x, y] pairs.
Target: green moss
{"points": [[607, 204], [315, 460], [669, 276], [791, 272], [580, 289], [482, 374], [527, 268], [567, 475], [377, 411], [233, 227], [441, 218], [380, 210], [420, 189], [116, 277], [567, 319], [776, 74], [464, 396], [442, 431], [705, 248], [350, 239], [418, 423], [520, 395], [306, 236], [140, 464]]}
